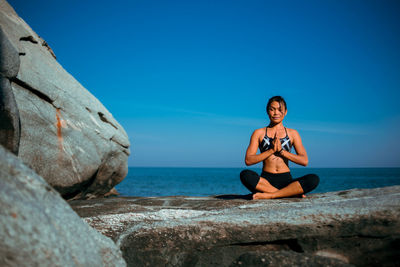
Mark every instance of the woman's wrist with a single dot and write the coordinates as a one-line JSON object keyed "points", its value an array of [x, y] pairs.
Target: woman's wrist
{"points": [[277, 152]]}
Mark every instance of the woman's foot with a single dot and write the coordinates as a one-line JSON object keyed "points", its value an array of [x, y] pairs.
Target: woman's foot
{"points": [[262, 196], [299, 196], [271, 196]]}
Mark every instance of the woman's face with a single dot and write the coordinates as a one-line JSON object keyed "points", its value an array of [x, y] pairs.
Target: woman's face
{"points": [[276, 112]]}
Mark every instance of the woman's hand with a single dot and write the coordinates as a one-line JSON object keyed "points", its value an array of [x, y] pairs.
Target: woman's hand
{"points": [[277, 144]]}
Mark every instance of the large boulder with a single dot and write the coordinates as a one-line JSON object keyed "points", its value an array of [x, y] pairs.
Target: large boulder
{"points": [[66, 135], [38, 227], [355, 227]]}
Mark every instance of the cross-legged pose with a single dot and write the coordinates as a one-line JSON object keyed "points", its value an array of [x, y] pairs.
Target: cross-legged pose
{"points": [[275, 142]]}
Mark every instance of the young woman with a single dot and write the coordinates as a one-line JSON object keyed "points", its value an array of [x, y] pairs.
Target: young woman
{"points": [[275, 142]]}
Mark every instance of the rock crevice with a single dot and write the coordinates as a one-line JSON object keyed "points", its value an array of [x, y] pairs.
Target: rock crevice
{"points": [[104, 119], [29, 38], [34, 91], [280, 244]]}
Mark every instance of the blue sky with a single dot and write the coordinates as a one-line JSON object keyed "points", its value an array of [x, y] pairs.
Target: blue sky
{"points": [[189, 80]]}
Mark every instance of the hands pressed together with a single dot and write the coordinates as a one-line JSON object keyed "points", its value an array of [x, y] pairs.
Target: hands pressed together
{"points": [[277, 146]]}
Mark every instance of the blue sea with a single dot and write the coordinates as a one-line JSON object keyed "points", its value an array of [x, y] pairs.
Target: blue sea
{"points": [[143, 181]]}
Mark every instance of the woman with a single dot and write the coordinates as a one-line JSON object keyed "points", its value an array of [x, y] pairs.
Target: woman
{"points": [[275, 142]]}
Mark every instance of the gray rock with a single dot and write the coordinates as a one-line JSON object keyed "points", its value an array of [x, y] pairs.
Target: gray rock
{"points": [[38, 228], [356, 227], [9, 117], [9, 58], [67, 136]]}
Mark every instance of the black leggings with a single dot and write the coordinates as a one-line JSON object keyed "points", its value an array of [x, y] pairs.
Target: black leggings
{"points": [[250, 180]]}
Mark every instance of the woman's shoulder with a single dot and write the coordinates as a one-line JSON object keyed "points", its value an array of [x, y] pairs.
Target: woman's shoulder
{"points": [[290, 130], [259, 131], [292, 133]]}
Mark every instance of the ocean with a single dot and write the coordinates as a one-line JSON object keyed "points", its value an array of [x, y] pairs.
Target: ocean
{"points": [[148, 182]]}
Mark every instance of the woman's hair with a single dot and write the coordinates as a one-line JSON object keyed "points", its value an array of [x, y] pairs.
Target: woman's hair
{"points": [[278, 99]]}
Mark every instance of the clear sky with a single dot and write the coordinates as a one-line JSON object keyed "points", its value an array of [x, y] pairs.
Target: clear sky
{"points": [[189, 80]]}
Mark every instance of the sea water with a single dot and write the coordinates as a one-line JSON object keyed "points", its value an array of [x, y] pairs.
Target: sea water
{"points": [[143, 181]]}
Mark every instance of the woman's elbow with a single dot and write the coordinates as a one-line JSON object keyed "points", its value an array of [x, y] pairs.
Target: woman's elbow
{"points": [[248, 162], [305, 162]]}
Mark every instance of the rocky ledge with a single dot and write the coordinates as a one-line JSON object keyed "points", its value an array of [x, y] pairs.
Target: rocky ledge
{"points": [[355, 227]]}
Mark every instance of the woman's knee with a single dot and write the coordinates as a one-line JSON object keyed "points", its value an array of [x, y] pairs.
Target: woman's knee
{"points": [[309, 182], [245, 174], [249, 179]]}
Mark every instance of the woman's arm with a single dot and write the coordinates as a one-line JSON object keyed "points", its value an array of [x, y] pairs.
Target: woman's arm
{"points": [[301, 158], [251, 153]]}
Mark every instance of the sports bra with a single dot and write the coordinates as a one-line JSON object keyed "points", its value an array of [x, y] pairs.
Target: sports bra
{"points": [[266, 143]]}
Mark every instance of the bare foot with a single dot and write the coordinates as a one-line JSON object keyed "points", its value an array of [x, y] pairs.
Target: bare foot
{"points": [[298, 196], [270, 196], [262, 196]]}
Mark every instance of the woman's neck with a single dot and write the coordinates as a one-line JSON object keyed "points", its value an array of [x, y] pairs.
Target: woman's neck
{"points": [[276, 126]]}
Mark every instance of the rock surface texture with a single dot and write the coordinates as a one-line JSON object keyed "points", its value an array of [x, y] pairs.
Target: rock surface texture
{"points": [[51, 121], [9, 115], [356, 227], [38, 228]]}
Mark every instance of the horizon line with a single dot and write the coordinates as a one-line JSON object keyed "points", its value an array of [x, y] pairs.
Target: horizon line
{"points": [[213, 167]]}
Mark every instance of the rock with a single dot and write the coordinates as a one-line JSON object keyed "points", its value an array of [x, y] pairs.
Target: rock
{"points": [[285, 258], [67, 136], [9, 114], [9, 58], [9, 117], [38, 228], [355, 227]]}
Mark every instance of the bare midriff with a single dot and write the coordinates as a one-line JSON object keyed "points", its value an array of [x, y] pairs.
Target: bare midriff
{"points": [[274, 164]]}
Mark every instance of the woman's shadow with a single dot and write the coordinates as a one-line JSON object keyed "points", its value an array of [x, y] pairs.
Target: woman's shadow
{"points": [[230, 197]]}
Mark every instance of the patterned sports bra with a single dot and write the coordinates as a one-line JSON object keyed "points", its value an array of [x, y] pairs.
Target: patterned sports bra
{"points": [[266, 143]]}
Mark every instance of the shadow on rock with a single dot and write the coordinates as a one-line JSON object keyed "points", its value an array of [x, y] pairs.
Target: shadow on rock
{"points": [[229, 197]]}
